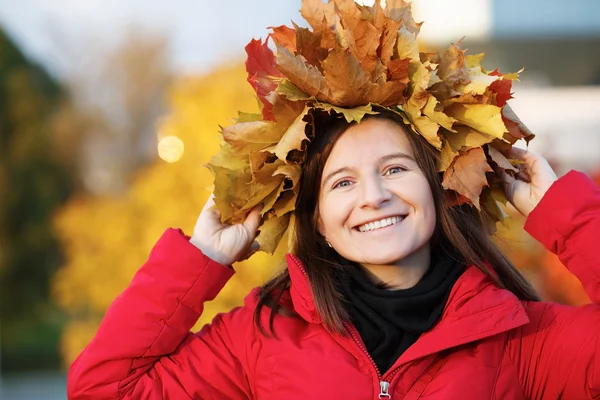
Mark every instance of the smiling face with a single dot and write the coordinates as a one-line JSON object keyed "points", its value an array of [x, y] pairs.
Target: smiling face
{"points": [[375, 204]]}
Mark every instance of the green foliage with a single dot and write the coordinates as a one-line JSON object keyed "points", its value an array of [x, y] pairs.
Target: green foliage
{"points": [[33, 182]]}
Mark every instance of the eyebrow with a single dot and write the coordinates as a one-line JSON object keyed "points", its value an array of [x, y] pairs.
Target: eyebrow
{"points": [[382, 159]]}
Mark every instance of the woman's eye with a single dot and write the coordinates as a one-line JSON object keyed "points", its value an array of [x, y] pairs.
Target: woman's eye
{"points": [[394, 170], [341, 184]]}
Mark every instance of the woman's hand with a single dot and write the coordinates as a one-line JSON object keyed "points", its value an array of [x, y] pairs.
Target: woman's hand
{"points": [[224, 243], [527, 187]]}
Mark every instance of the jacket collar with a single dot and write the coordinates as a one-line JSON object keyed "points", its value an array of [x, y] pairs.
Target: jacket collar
{"points": [[476, 309]]}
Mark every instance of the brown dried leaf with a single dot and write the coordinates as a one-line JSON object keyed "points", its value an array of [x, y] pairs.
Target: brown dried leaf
{"points": [[351, 114], [271, 231], [437, 116], [518, 128], [305, 77], [400, 10], [291, 172], [387, 44], [284, 36], [398, 70], [229, 202], [291, 92], [500, 160], [294, 136], [309, 46], [246, 137], [226, 159], [407, 45], [321, 16], [466, 175], [271, 199], [453, 68], [286, 202], [386, 94], [467, 138], [363, 38], [485, 118], [347, 81]]}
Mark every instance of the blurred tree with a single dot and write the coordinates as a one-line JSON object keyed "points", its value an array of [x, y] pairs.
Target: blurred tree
{"points": [[106, 239], [119, 92], [34, 179]]}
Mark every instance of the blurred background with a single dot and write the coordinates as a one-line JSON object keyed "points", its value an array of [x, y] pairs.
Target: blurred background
{"points": [[109, 109]]}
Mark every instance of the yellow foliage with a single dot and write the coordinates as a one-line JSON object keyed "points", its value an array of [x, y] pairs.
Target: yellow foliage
{"points": [[107, 239]]}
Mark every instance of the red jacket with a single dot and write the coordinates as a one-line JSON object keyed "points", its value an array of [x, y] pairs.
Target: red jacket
{"points": [[487, 345]]}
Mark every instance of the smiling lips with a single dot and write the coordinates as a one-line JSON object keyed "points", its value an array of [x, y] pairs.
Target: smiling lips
{"points": [[382, 223]]}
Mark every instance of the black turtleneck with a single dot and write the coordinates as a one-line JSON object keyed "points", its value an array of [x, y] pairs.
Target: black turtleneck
{"points": [[390, 321]]}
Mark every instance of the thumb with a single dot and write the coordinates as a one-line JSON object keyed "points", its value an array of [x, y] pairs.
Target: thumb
{"points": [[252, 221]]}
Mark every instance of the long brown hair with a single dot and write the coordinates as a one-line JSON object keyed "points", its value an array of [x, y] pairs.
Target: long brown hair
{"points": [[460, 231]]}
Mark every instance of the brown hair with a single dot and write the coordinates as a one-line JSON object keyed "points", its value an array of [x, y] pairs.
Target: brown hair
{"points": [[460, 231]]}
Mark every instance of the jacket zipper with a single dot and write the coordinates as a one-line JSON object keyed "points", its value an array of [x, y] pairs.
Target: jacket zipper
{"points": [[384, 385]]}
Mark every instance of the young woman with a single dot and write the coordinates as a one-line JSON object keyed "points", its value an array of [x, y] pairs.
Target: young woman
{"points": [[390, 293]]}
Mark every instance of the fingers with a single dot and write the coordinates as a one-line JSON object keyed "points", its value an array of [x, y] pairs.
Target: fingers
{"points": [[252, 221]]}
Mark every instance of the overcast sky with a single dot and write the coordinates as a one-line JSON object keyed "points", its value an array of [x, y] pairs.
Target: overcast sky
{"points": [[201, 33]]}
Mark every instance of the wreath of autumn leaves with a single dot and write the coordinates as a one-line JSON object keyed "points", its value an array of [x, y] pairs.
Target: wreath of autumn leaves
{"points": [[354, 61]]}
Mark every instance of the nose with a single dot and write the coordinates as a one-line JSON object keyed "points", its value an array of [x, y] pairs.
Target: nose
{"points": [[374, 192]]}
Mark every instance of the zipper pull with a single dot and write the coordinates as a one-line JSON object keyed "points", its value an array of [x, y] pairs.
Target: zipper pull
{"points": [[384, 387]]}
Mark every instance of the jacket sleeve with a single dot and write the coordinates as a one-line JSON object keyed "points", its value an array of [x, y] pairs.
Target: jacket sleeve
{"points": [[557, 355], [143, 348]]}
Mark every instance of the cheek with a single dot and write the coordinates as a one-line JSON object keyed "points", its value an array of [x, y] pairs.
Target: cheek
{"points": [[333, 213]]}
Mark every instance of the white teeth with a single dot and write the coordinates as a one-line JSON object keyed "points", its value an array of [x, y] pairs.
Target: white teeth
{"points": [[380, 224]]}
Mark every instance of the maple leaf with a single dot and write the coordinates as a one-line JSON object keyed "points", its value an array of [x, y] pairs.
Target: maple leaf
{"points": [[386, 93], [310, 46], [286, 202], [479, 81], [400, 10], [294, 136], [229, 202], [225, 158], [397, 70], [270, 200], [321, 16], [452, 70], [253, 136], [345, 78], [287, 89], [271, 231], [516, 128], [350, 114], [486, 118], [363, 38], [305, 77], [262, 74], [466, 175], [436, 116], [286, 111], [502, 88], [406, 45], [387, 43], [284, 36], [292, 172], [492, 198], [248, 117], [258, 159], [500, 160]]}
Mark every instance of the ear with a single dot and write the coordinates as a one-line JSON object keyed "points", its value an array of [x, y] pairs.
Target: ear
{"points": [[320, 226]]}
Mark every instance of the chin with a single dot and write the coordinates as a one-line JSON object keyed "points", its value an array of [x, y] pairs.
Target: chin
{"points": [[383, 259]]}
